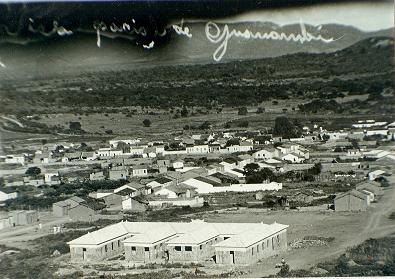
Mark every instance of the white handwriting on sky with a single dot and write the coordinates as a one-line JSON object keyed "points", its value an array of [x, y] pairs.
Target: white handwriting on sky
{"points": [[214, 34]]}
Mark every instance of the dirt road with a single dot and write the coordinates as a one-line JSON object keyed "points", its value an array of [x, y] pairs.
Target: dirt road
{"points": [[371, 224], [17, 236]]}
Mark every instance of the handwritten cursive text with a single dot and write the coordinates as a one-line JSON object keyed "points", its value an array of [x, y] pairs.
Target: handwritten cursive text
{"points": [[217, 36]]}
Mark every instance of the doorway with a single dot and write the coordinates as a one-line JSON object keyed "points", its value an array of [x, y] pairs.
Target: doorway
{"points": [[146, 253], [232, 257]]}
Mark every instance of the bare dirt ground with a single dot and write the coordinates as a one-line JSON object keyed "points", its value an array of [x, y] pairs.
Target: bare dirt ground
{"points": [[348, 229], [19, 236]]}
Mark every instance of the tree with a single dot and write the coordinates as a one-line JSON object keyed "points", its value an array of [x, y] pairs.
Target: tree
{"points": [[243, 124], [316, 169], [242, 111], [147, 122], [123, 146], [251, 168], [232, 141], [205, 125], [254, 176], [285, 128], [260, 110], [325, 137], [75, 126], [33, 171], [184, 112]]}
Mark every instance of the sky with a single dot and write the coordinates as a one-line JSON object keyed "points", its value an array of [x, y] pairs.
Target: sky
{"points": [[366, 16]]}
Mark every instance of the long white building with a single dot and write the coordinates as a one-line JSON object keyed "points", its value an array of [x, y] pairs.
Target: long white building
{"points": [[196, 241]]}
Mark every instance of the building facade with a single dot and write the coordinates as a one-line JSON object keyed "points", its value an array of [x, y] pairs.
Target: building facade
{"points": [[197, 241]]}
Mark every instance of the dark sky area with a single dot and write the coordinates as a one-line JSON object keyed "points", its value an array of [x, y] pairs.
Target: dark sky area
{"points": [[152, 15], [28, 42]]}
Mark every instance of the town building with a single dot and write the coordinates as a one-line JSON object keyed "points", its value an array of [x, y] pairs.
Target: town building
{"points": [[15, 159], [7, 194], [353, 200], [62, 208], [196, 241], [118, 174], [140, 171], [23, 217]]}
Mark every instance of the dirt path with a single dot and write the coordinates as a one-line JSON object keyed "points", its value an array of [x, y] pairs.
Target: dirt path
{"points": [[17, 236], [374, 224], [15, 121]]}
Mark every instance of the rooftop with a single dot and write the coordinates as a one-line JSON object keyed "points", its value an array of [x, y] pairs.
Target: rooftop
{"points": [[194, 232]]}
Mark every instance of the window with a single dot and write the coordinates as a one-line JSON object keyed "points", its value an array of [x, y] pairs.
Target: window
{"points": [[201, 247], [257, 248], [263, 245], [112, 245], [105, 248], [83, 249], [133, 248], [146, 249], [188, 248], [278, 239], [177, 248], [119, 243], [252, 250], [226, 237]]}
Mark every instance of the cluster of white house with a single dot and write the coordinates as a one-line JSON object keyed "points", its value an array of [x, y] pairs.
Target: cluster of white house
{"points": [[212, 143], [195, 241]]}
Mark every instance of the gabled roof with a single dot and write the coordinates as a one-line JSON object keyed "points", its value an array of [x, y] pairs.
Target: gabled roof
{"points": [[88, 153], [354, 193], [152, 236], [130, 185], [71, 202], [196, 237], [208, 180], [102, 235], [162, 180], [251, 237], [125, 192], [377, 172], [140, 167], [245, 143], [192, 233], [244, 157], [72, 155], [370, 187], [238, 171], [77, 199], [7, 190], [180, 188]]}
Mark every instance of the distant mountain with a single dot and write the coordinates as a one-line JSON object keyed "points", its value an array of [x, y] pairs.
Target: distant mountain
{"points": [[79, 53], [198, 47]]}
